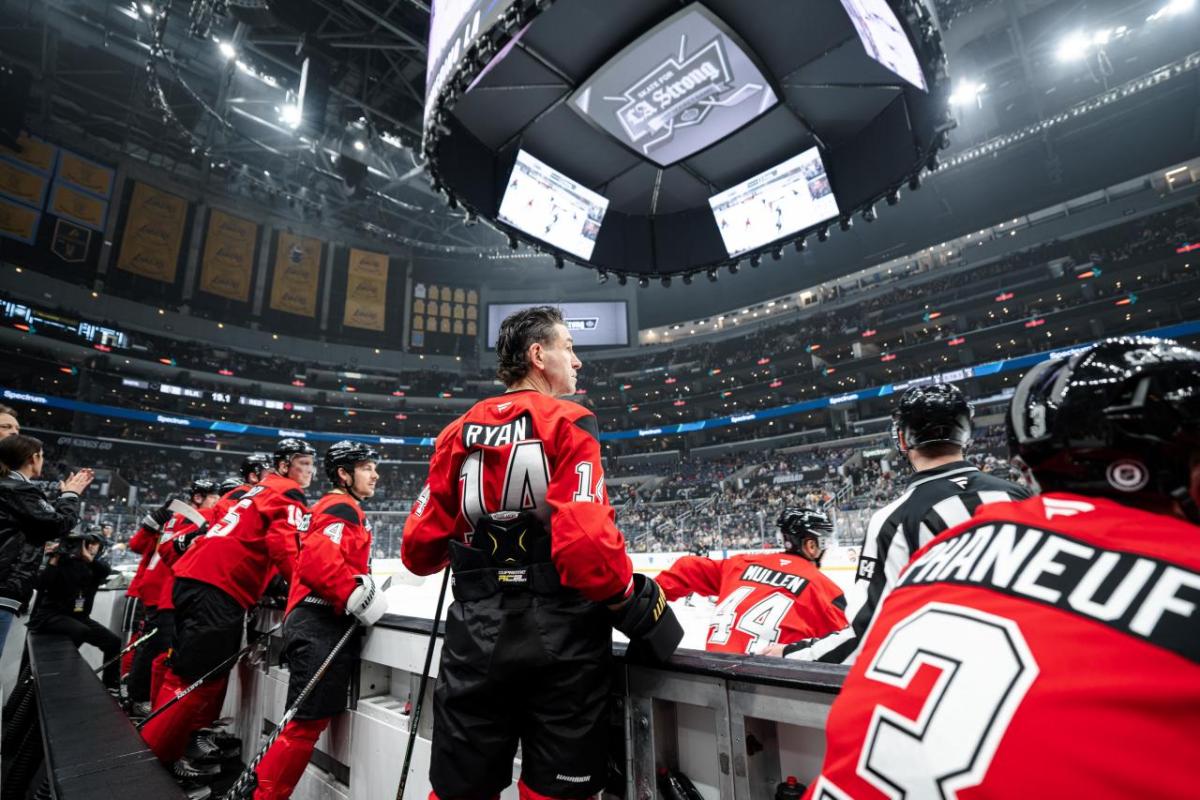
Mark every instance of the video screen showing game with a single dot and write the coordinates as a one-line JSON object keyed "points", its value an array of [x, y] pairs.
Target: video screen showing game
{"points": [[784, 200], [548, 205]]}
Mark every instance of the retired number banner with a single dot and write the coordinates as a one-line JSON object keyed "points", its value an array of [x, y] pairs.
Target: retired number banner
{"points": [[366, 290], [153, 233], [297, 275], [228, 265]]}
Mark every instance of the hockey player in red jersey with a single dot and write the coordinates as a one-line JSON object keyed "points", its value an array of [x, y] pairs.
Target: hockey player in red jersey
{"points": [[143, 543], [201, 494], [332, 581], [766, 599], [216, 581], [516, 504], [1017, 645]]}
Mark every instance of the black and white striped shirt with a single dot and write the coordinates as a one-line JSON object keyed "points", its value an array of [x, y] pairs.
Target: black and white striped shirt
{"points": [[934, 500]]}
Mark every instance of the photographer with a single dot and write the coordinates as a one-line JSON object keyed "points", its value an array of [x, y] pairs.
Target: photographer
{"points": [[28, 520], [66, 590]]}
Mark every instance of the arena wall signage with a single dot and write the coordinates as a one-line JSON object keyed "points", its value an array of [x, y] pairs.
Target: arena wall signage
{"points": [[991, 368], [599, 324], [684, 85]]}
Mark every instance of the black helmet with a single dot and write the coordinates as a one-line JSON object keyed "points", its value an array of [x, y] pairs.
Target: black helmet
{"points": [[1120, 419], [287, 449], [202, 486], [229, 483], [346, 454], [255, 464], [935, 414], [798, 524]]}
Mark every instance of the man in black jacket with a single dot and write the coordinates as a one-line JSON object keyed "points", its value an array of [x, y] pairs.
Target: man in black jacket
{"points": [[66, 589], [28, 520]]}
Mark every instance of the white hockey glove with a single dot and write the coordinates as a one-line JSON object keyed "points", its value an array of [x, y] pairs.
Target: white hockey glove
{"points": [[368, 601]]}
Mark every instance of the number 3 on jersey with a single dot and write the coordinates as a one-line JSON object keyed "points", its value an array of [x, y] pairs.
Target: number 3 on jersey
{"points": [[986, 669]]}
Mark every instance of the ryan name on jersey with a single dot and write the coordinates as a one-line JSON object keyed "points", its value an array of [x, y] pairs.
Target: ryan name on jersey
{"points": [[518, 430], [1144, 597]]}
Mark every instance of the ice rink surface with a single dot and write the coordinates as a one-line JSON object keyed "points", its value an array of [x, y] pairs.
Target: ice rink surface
{"points": [[415, 596]]}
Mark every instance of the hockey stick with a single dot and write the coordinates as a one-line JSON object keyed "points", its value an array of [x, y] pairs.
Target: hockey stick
{"points": [[188, 513], [219, 667], [416, 713], [244, 781], [124, 650]]}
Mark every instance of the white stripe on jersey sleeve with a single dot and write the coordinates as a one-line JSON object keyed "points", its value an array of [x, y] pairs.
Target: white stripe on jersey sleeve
{"points": [[994, 496]]}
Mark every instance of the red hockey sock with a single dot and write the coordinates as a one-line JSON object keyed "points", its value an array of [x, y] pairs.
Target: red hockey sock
{"points": [[167, 734], [215, 701], [158, 671], [525, 793], [281, 767]]}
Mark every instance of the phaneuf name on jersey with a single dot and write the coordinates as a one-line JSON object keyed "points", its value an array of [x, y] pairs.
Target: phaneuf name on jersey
{"points": [[518, 430], [1153, 600], [756, 573]]}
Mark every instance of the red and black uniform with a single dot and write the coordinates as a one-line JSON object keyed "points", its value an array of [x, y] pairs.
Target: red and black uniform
{"points": [[528, 664], [336, 547], [763, 599], [149, 582], [222, 575], [1016, 649], [142, 542]]}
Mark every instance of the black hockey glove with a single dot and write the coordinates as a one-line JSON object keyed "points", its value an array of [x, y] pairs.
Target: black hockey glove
{"points": [[182, 543], [158, 517], [648, 621]]}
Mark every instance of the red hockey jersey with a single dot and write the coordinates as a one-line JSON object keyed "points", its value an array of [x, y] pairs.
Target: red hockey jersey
{"points": [[153, 576], [336, 547], [258, 532], [523, 451], [1045, 648], [142, 541], [168, 552], [764, 599]]}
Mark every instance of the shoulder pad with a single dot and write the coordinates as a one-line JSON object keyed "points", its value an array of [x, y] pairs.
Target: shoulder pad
{"points": [[587, 423], [344, 512], [296, 495]]}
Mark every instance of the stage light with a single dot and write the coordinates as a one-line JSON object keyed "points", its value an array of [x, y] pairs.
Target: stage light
{"points": [[452, 202], [147, 9], [868, 214], [733, 268], [755, 260], [845, 223], [1073, 47], [226, 49], [712, 275], [666, 281], [966, 93], [893, 197], [643, 282], [914, 182], [622, 279], [823, 233], [601, 277], [687, 279], [290, 115], [777, 253], [360, 145], [558, 262], [512, 242], [800, 244]]}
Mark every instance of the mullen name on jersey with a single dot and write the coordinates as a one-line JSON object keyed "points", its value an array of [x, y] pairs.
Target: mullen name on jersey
{"points": [[518, 430], [1153, 600], [756, 573]]}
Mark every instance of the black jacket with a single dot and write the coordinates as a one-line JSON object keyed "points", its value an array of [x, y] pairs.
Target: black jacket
{"points": [[68, 586], [27, 521]]}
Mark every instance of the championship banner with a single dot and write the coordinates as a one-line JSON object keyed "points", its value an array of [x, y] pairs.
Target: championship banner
{"points": [[34, 152], [18, 222], [366, 290], [228, 264], [153, 234], [70, 242], [84, 174], [78, 207], [24, 186], [297, 275]]}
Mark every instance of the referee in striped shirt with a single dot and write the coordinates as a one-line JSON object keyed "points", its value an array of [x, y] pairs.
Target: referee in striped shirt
{"points": [[932, 428]]}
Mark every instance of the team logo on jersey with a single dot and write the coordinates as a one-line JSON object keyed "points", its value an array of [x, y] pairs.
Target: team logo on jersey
{"points": [[500, 409], [1055, 507], [960, 482], [866, 568], [756, 573], [518, 430], [422, 501], [334, 531], [1127, 475]]}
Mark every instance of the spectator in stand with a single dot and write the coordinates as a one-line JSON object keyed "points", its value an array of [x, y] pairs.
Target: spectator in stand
{"points": [[28, 520], [8, 422]]}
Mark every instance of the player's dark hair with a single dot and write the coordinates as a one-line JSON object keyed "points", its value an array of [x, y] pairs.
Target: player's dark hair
{"points": [[518, 331], [15, 452], [7, 410]]}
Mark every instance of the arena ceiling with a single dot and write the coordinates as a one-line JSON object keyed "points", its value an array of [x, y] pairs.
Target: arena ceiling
{"points": [[227, 74]]}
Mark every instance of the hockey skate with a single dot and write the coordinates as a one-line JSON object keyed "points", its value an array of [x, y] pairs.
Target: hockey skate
{"points": [[187, 771]]}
